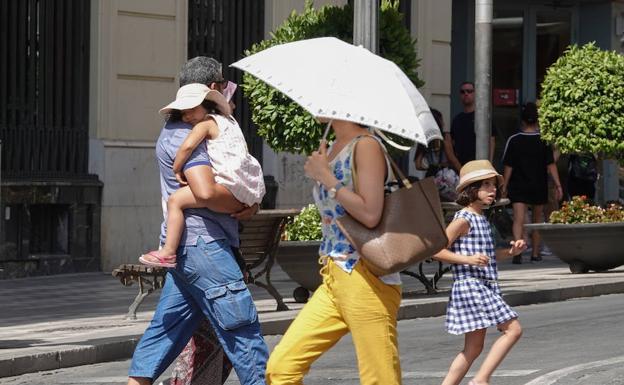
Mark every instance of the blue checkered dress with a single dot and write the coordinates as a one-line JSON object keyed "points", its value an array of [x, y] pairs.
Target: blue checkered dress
{"points": [[476, 301]]}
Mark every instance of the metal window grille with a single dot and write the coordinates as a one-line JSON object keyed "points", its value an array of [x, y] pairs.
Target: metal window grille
{"points": [[44, 88], [224, 29]]}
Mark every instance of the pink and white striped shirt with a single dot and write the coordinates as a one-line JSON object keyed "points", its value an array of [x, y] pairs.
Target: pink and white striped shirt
{"points": [[233, 166]]}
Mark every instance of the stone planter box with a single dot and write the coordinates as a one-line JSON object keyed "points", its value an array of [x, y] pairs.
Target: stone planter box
{"points": [[299, 260], [587, 246]]}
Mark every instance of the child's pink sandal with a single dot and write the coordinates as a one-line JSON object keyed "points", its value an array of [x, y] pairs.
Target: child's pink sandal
{"points": [[156, 260]]}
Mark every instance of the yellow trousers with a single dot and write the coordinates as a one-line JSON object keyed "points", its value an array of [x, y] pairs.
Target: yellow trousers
{"points": [[359, 303]]}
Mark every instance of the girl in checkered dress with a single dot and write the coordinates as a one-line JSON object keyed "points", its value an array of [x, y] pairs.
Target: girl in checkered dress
{"points": [[476, 302]]}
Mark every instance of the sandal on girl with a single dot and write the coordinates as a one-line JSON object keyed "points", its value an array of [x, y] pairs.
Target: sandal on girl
{"points": [[155, 260]]}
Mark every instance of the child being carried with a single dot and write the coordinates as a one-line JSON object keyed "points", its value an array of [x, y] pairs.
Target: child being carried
{"points": [[210, 114]]}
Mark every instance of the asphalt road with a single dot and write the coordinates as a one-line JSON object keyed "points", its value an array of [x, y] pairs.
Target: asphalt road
{"points": [[567, 343]]}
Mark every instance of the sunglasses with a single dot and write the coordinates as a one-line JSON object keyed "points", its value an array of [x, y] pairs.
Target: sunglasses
{"points": [[466, 92]]}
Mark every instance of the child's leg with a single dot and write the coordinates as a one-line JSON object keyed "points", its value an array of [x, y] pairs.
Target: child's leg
{"points": [[473, 345], [180, 200], [538, 213], [511, 334], [176, 204]]}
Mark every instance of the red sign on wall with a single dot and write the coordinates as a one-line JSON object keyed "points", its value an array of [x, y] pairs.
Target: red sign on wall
{"points": [[505, 96]]}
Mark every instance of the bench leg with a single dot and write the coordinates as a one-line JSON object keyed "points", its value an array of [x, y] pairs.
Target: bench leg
{"points": [[143, 292], [271, 289], [422, 277]]}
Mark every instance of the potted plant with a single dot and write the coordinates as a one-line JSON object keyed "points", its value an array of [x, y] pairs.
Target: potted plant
{"points": [[586, 237], [581, 111], [298, 255]]}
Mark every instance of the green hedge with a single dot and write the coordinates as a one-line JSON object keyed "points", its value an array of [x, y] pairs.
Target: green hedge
{"points": [[282, 123], [582, 102]]}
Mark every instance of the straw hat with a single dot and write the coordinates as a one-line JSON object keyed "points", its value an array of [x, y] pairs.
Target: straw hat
{"points": [[477, 170], [192, 95]]}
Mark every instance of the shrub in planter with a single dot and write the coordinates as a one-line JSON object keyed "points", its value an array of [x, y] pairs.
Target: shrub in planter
{"points": [[578, 210], [298, 252], [283, 124], [586, 237], [582, 102], [306, 226]]}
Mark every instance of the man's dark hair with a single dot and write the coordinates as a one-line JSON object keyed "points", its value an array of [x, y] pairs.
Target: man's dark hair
{"points": [[437, 115], [529, 113], [201, 69], [466, 82], [470, 193]]}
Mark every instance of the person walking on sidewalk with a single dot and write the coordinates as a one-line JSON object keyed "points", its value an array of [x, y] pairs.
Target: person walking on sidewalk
{"points": [[214, 127], [351, 298], [528, 160], [207, 282], [475, 302]]}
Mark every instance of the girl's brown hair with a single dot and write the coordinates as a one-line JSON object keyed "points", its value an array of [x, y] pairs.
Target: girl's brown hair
{"points": [[471, 193], [210, 107]]}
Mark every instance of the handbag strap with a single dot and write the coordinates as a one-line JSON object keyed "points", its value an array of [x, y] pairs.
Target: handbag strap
{"points": [[406, 183], [394, 167]]}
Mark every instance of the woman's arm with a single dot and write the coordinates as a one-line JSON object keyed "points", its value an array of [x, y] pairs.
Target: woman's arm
{"points": [[506, 176], [365, 205], [554, 174], [454, 230], [450, 152], [418, 158], [202, 131], [492, 147]]}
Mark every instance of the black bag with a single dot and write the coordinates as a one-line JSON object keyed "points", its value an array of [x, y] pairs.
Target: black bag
{"points": [[583, 167], [499, 218]]}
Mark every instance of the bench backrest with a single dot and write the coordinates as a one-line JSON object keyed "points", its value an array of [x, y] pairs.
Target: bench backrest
{"points": [[261, 234]]}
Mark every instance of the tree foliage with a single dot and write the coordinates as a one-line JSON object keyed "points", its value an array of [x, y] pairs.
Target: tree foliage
{"points": [[582, 102], [283, 124]]}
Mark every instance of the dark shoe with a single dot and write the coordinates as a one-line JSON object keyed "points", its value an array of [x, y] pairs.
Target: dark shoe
{"points": [[536, 258], [517, 260]]}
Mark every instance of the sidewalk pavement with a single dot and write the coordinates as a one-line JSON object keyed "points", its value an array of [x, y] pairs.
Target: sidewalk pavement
{"points": [[78, 319]]}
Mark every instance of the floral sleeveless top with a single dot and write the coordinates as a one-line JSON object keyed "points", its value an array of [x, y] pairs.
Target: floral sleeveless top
{"points": [[334, 243]]}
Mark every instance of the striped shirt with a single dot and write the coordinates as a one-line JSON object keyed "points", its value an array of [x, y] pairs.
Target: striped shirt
{"points": [[233, 166]]}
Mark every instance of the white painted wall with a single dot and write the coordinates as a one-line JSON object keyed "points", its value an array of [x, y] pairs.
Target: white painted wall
{"points": [[431, 27], [136, 46]]}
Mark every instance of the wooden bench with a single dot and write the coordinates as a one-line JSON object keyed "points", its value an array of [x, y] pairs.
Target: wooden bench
{"points": [[148, 279], [259, 240]]}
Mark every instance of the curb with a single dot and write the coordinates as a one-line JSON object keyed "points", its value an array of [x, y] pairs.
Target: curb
{"points": [[108, 350], [112, 349]]}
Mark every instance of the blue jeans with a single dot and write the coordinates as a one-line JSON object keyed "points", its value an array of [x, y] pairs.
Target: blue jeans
{"points": [[206, 283]]}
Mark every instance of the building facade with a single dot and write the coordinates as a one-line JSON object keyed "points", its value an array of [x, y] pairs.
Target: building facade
{"points": [[108, 210], [82, 101]]}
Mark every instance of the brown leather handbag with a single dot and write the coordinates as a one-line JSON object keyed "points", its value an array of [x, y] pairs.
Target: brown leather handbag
{"points": [[411, 227]]}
